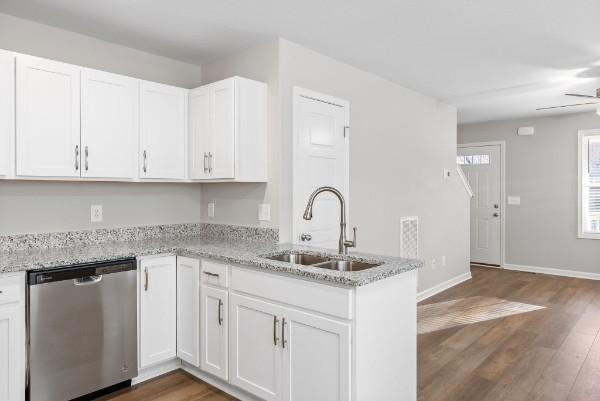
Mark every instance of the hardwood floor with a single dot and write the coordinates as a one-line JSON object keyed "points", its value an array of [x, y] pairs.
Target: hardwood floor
{"points": [[551, 354], [175, 386]]}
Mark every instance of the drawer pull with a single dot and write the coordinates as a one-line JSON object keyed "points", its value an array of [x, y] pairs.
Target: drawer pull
{"points": [[211, 274]]}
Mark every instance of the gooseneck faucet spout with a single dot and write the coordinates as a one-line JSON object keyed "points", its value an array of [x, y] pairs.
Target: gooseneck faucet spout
{"points": [[344, 244]]}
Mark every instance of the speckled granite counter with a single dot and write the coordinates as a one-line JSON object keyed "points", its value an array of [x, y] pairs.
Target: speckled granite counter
{"points": [[234, 250]]}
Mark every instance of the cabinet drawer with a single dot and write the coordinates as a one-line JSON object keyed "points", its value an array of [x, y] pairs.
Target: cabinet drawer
{"points": [[214, 273], [322, 298], [10, 289]]}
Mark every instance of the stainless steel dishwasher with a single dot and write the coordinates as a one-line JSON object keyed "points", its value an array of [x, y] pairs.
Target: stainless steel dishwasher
{"points": [[82, 329]]}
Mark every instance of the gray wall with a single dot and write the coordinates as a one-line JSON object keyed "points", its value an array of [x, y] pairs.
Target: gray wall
{"points": [[56, 206], [542, 170], [238, 203], [400, 143]]}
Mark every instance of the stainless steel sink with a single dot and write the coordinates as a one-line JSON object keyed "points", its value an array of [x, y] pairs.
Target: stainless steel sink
{"points": [[346, 265], [298, 258]]}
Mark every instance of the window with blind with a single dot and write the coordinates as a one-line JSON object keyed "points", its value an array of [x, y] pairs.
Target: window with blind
{"points": [[589, 184]]}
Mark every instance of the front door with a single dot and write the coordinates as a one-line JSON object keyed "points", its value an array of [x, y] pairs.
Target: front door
{"points": [[482, 166], [320, 159]]}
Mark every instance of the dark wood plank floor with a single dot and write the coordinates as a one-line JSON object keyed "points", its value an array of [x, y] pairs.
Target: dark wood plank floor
{"points": [[551, 354], [174, 386]]}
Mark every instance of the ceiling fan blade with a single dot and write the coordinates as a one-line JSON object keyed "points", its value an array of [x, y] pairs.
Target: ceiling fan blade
{"points": [[567, 105], [577, 95]]}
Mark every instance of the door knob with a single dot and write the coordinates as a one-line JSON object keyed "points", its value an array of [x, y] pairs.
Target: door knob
{"points": [[305, 237]]}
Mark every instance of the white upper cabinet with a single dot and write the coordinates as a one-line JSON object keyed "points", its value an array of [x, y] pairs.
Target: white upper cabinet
{"points": [[228, 131], [7, 113], [162, 131], [108, 125], [48, 118]]}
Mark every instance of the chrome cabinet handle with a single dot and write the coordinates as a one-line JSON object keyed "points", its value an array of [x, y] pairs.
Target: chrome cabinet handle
{"points": [[220, 313], [205, 163], [76, 157], [146, 279], [210, 162], [275, 323], [305, 237], [283, 340], [211, 274], [496, 214], [87, 167], [90, 280], [145, 166]]}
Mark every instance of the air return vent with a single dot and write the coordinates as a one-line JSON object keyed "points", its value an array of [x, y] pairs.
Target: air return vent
{"points": [[409, 237]]}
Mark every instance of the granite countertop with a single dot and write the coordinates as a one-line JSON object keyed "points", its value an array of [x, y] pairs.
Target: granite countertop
{"points": [[236, 251]]}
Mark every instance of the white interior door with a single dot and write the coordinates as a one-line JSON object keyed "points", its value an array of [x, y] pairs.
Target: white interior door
{"points": [[108, 125], [482, 166], [320, 159]]}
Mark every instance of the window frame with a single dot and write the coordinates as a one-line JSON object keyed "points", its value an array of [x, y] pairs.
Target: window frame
{"points": [[581, 142]]}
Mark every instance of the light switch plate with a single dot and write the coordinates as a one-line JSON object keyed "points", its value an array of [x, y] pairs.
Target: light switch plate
{"points": [[514, 200], [211, 210], [96, 213], [264, 212]]}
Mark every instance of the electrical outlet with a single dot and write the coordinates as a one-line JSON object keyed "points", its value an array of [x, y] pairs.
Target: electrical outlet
{"points": [[211, 210], [96, 213], [433, 264], [264, 212]]}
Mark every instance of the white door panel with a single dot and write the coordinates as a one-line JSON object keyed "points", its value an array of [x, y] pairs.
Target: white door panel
{"points": [[108, 125], [255, 353], [48, 118], [223, 125], [320, 160], [316, 360], [7, 112], [200, 132], [483, 171], [188, 310], [215, 319]]}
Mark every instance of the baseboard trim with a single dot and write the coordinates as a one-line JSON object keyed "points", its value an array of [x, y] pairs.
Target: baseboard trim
{"points": [[552, 271], [218, 383], [428, 293], [156, 370]]}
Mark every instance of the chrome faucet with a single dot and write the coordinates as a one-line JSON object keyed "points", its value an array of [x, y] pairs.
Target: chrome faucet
{"points": [[344, 244]]}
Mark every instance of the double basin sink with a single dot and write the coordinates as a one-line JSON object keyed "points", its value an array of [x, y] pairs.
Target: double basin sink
{"points": [[322, 262]]}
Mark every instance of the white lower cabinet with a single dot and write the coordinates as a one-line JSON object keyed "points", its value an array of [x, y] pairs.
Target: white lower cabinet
{"points": [[215, 335], [188, 310], [157, 310], [316, 357], [255, 346], [12, 337], [280, 353]]}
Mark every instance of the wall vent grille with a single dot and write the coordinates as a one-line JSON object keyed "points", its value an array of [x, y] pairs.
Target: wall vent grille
{"points": [[409, 237]]}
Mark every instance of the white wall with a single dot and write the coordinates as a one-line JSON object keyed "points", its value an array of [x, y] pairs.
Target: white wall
{"points": [[55, 206], [542, 170], [238, 203], [400, 143]]}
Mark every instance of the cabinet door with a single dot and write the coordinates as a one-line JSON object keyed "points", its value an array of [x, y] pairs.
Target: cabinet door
{"points": [[188, 310], [108, 125], [12, 353], [48, 106], [255, 349], [222, 156], [215, 334], [7, 112], [316, 358], [199, 132], [162, 131], [158, 304]]}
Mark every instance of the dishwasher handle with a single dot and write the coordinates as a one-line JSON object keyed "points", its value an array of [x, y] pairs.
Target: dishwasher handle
{"points": [[89, 280]]}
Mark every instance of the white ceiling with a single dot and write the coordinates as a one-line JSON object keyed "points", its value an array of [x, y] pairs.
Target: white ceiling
{"points": [[492, 59]]}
